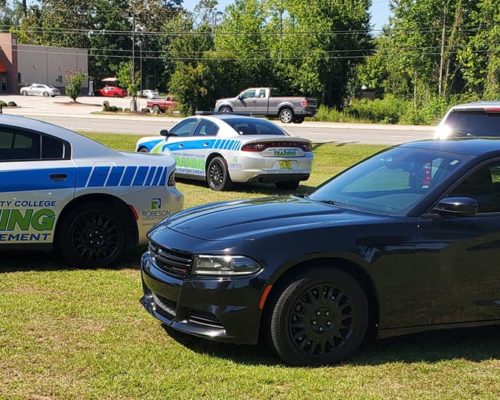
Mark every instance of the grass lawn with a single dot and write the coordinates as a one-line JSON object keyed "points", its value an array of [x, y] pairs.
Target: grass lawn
{"points": [[81, 334]]}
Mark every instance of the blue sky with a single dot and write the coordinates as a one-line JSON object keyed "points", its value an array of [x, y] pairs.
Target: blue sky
{"points": [[380, 10]]}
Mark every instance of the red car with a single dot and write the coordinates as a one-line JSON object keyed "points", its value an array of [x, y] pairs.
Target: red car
{"points": [[111, 91]]}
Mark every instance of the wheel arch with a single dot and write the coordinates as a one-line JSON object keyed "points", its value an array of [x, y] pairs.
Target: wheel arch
{"points": [[348, 266], [227, 105], [109, 200], [210, 157], [286, 105]]}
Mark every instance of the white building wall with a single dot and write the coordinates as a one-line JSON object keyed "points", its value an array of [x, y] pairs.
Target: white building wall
{"points": [[50, 65]]}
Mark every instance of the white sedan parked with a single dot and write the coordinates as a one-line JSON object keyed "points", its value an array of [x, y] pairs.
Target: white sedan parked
{"points": [[225, 148], [38, 89], [61, 190]]}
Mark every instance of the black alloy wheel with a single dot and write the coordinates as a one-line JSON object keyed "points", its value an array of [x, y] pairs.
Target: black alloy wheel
{"points": [[218, 175], [92, 234], [319, 317], [286, 115], [287, 185]]}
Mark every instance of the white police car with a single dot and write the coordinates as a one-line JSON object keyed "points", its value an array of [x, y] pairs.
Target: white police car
{"points": [[225, 148], [61, 189]]}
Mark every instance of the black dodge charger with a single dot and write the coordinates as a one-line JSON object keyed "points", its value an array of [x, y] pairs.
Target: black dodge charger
{"points": [[407, 240]]}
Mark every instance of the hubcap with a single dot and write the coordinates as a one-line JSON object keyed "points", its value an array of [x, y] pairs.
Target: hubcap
{"points": [[95, 237], [216, 174], [321, 320], [286, 116]]}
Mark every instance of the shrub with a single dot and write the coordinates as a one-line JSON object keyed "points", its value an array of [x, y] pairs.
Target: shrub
{"points": [[126, 109], [145, 110], [387, 110], [105, 106], [75, 81], [3, 103], [327, 114], [12, 104]]}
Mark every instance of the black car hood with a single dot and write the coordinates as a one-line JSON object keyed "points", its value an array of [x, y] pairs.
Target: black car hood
{"points": [[250, 219]]}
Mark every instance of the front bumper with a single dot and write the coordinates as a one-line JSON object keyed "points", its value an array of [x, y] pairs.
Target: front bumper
{"points": [[218, 309]]}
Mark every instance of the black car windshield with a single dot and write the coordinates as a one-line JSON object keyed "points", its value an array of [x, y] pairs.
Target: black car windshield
{"points": [[250, 126], [390, 183]]}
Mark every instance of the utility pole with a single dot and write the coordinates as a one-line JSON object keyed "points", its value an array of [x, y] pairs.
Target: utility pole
{"points": [[441, 58], [133, 104]]}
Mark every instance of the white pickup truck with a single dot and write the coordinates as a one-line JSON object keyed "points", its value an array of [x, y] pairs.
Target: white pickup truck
{"points": [[269, 102]]}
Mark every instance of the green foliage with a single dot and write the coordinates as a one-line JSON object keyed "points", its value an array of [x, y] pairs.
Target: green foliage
{"points": [[131, 80], [12, 104], [74, 86], [387, 110], [105, 105]]}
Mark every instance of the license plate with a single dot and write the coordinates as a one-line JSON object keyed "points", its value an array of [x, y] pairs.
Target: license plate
{"points": [[285, 164]]}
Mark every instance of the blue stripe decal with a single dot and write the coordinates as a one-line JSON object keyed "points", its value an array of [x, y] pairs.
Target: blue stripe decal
{"points": [[163, 180], [140, 176], [82, 176], [115, 176], [129, 175], [219, 144], [157, 177], [99, 176], [235, 143], [24, 180], [150, 177]]}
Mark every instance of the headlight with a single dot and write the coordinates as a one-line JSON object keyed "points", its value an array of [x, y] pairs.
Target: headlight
{"points": [[224, 265]]}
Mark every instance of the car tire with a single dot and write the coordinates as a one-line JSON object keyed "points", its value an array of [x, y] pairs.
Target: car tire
{"points": [[298, 119], [142, 149], [24, 93], [287, 185], [218, 175], [225, 109], [286, 115], [116, 95], [318, 316], [92, 234], [156, 109], [46, 94]]}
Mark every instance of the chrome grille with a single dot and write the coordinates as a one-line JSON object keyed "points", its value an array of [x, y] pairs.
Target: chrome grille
{"points": [[170, 261]]}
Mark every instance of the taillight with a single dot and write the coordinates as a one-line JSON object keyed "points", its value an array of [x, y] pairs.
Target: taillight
{"points": [[171, 179], [492, 109], [261, 146], [303, 103]]}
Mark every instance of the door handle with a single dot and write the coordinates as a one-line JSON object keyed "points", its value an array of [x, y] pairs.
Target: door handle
{"points": [[58, 177]]}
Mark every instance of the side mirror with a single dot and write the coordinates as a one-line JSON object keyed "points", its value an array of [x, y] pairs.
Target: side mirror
{"points": [[459, 206], [164, 132], [240, 97]]}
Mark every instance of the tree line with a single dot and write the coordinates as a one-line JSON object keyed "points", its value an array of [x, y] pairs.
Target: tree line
{"points": [[430, 52]]}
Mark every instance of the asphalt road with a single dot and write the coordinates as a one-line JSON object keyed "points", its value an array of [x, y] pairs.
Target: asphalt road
{"points": [[82, 117]]}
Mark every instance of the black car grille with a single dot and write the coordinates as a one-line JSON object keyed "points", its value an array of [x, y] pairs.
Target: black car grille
{"points": [[170, 261]]}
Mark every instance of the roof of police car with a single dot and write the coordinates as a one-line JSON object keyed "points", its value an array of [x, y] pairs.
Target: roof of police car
{"points": [[82, 146]]}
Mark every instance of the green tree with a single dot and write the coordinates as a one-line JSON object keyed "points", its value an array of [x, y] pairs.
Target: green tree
{"points": [[75, 80], [129, 79]]}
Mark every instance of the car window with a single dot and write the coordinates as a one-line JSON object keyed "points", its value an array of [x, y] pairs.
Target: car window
{"points": [[248, 94], [53, 149], [254, 126], [184, 128], [483, 186], [206, 128], [262, 93], [19, 146], [474, 123], [391, 182]]}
